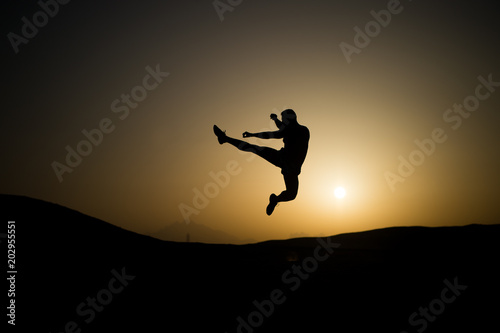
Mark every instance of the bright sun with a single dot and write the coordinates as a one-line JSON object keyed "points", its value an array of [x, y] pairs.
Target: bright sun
{"points": [[340, 192]]}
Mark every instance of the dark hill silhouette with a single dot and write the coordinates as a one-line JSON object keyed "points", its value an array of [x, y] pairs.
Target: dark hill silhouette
{"points": [[373, 282], [198, 233]]}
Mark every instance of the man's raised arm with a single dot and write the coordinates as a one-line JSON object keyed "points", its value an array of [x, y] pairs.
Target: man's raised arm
{"points": [[278, 122]]}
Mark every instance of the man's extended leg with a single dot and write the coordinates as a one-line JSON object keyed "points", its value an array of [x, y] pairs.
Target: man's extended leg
{"points": [[269, 154]]}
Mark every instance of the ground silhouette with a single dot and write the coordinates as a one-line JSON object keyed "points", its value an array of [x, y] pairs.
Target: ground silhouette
{"points": [[373, 281], [178, 232]]}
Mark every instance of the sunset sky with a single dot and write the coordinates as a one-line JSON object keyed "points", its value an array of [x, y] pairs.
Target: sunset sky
{"points": [[424, 71]]}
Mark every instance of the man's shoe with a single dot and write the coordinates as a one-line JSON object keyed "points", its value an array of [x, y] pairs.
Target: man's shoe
{"points": [[273, 201], [221, 136]]}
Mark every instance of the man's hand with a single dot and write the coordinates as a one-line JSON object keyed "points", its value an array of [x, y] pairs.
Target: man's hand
{"points": [[274, 116], [247, 134]]}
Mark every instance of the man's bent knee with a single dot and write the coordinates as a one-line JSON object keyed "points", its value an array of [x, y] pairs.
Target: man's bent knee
{"points": [[287, 195]]}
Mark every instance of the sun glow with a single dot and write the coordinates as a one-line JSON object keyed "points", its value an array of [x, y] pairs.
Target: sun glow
{"points": [[340, 192]]}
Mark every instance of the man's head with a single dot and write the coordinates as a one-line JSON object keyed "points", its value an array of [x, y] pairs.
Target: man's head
{"points": [[288, 116]]}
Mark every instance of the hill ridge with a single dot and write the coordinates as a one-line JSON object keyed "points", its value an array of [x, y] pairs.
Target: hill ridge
{"points": [[383, 276], [16, 203]]}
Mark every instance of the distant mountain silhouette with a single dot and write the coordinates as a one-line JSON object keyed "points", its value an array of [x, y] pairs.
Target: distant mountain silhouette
{"points": [[197, 233], [75, 268]]}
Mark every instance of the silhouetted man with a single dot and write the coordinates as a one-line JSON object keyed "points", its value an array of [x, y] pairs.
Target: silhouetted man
{"points": [[289, 158]]}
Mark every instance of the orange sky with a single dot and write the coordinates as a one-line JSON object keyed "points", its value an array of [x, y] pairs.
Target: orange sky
{"points": [[262, 58]]}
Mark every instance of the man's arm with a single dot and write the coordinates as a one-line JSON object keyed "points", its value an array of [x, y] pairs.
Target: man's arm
{"points": [[265, 135], [278, 122], [269, 135]]}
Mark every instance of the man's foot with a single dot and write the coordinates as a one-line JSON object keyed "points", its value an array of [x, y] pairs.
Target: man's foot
{"points": [[221, 136], [273, 201]]}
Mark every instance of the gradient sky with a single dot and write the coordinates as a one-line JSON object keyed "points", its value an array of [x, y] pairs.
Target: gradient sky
{"points": [[263, 57]]}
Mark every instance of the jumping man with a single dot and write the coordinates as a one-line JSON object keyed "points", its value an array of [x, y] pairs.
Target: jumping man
{"points": [[289, 158]]}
